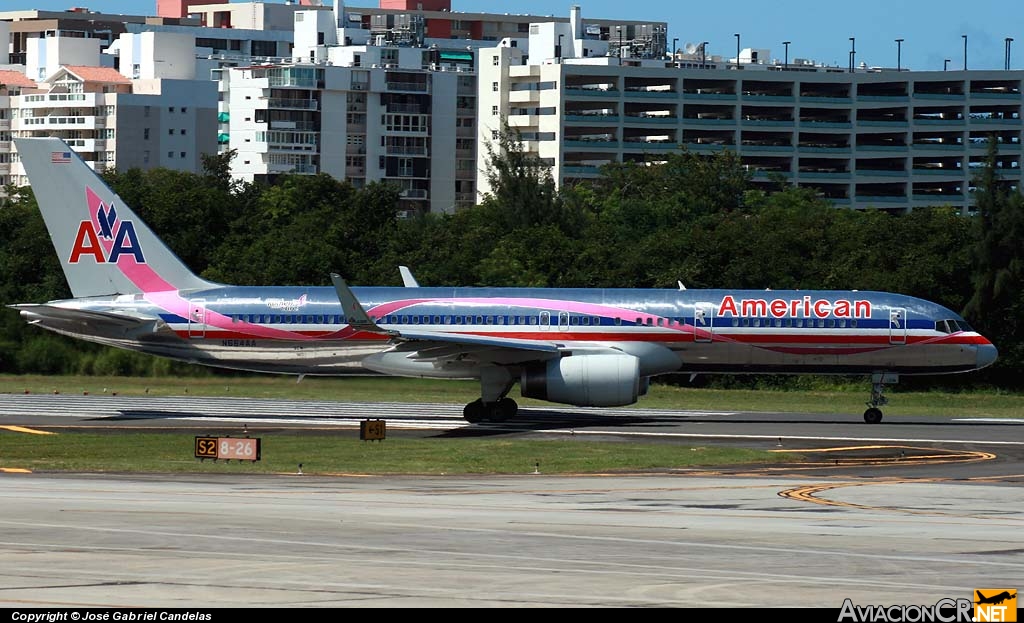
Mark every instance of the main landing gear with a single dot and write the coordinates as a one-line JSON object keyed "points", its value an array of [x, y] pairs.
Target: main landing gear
{"points": [[479, 411], [873, 415], [492, 406]]}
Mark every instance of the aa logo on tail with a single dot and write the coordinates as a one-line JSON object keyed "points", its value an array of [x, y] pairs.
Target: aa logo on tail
{"points": [[106, 239]]}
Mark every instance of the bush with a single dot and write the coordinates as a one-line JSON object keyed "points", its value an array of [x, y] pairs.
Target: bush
{"points": [[46, 354]]}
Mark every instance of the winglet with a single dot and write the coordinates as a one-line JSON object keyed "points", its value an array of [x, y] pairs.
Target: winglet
{"points": [[407, 278], [355, 315]]}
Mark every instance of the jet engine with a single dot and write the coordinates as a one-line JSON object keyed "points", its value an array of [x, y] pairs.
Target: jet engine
{"points": [[604, 380]]}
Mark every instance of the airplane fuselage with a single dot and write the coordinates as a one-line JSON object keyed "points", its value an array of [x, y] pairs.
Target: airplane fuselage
{"points": [[303, 330]]}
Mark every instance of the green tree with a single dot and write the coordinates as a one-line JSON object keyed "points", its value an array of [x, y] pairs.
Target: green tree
{"points": [[997, 300]]}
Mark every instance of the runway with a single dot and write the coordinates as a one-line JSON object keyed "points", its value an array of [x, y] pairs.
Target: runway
{"points": [[881, 532], [520, 541]]}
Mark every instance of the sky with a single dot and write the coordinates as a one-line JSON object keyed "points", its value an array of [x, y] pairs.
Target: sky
{"points": [[820, 30]]}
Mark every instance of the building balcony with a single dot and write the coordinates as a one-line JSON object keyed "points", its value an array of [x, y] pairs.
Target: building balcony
{"points": [[813, 124], [760, 174], [581, 170], [87, 144], [531, 96], [887, 148], [710, 97], [712, 147], [993, 121], [982, 95], [651, 94], [292, 103], [759, 148], [946, 122], [883, 98], [645, 119], [880, 173], [646, 145], [816, 99], [593, 118], [940, 146], [939, 96], [605, 93], [938, 172], [308, 126], [591, 144], [780, 123], [824, 175], [939, 199], [523, 121], [881, 198], [406, 150], [301, 169], [415, 87], [707, 122], [755, 99], [882, 124], [824, 150], [351, 172]]}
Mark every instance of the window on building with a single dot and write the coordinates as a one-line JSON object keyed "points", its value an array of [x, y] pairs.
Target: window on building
{"points": [[170, 131], [494, 110], [183, 131], [145, 134], [182, 154], [170, 109], [495, 60], [170, 154], [145, 111], [494, 86]]}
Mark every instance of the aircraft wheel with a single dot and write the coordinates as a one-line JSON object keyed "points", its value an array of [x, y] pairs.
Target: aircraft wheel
{"points": [[503, 410], [474, 412], [873, 415]]}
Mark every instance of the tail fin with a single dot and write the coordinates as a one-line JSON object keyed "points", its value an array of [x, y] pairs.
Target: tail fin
{"points": [[103, 246]]}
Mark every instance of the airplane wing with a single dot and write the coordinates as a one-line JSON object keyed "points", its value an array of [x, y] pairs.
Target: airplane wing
{"points": [[438, 345], [102, 323]]}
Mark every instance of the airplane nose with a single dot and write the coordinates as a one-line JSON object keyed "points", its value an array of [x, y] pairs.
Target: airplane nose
{"points": [[987, 354]]}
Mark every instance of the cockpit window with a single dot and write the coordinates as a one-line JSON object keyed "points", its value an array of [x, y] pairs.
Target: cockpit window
{"points": [[952, 326]]}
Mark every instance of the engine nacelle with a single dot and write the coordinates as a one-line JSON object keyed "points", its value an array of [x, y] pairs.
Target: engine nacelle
{"points": [[584, 380]]}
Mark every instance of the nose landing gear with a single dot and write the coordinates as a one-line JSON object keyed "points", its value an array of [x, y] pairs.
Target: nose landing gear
{"points": [[873, 415]]}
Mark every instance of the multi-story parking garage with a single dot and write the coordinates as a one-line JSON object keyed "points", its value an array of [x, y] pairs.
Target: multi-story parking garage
{"points": [[866, 139]]}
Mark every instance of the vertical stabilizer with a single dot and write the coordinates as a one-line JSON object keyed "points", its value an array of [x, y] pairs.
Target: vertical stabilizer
{"points": [[103, 246]]}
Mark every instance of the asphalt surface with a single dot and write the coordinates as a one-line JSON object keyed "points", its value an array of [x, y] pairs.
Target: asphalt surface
{"points": [[910, 511]]}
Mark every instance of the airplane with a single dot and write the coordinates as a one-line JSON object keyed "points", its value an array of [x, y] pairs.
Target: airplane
{"points": [[994, 599], [582, 347]]}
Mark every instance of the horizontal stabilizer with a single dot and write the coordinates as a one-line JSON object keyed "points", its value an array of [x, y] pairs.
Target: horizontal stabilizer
{"points": [[106, 323]]}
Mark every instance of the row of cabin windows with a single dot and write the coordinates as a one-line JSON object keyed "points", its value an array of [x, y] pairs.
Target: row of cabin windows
{"points": [[553, 319]]}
